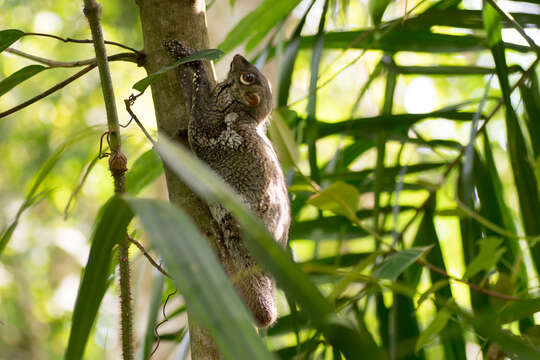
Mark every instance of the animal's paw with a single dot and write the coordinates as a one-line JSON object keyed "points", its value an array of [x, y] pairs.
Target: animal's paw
{"points": [[177, 49]]}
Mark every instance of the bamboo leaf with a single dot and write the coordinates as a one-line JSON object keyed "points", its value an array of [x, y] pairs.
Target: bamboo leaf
{"points": [[109, 227], [530, 93], [146, 169], [524, 177], [283, 138], [196, 272], [488, 256], [514, 311], [433, 329], [255, 25], [515, 346], [19, 76], [289, 58], [340, 198], [8, 37], [377, 8], [492, 24], [207, 54], [311, 109], [395, 122], [398, 262]]}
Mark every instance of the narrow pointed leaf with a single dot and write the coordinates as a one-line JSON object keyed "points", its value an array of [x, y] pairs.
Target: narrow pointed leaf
{"points": [[196, 272], [340, 197], [143, 172], [19, 76], [8, 37], [255, 25], [433, 329], [207, 54], [398, 262], [283, 138], [488, 256], [109, 227]]}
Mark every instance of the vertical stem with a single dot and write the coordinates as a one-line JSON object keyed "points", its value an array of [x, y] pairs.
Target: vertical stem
{"points": [[117, 167]]}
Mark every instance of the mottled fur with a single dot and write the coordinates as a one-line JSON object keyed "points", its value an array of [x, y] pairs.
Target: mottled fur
{"points": [[227, 131]]}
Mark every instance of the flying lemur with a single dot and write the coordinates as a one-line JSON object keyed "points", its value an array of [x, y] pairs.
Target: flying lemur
{"points": [[226, 129]]}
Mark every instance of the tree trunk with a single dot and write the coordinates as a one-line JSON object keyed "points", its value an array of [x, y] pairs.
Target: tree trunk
{"points": [[185, 21]]}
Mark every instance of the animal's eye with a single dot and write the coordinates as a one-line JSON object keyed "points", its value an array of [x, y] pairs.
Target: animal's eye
{"points": [[247, 78]]}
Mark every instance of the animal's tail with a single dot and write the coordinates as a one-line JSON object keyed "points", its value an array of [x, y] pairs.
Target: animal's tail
{"points": [[257, 291]]}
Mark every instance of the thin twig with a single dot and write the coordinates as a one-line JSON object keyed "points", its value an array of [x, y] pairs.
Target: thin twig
{"points": [[53, 63], [129, 101], [48, 91], [121, 56], [165, 319], [80, 185], [148, 256], [469, 284], [82, 41]]}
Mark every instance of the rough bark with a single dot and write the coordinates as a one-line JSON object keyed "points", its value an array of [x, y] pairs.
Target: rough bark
{"points": [[184, 20]]}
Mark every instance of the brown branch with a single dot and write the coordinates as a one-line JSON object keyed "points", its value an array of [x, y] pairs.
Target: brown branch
{"points": [[48, 92], [148, 256], [53, 63], [469, 284], [165, 319], [82, 41], [121, 56]]}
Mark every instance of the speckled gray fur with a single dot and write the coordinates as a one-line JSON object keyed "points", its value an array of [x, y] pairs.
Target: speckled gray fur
{"points": [[227, 130]]}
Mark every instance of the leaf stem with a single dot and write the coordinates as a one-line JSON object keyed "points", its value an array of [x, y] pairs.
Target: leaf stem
{"points": [[117, 167]]}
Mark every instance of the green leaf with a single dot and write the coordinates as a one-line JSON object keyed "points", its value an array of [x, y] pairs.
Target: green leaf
{"points": [[398, 262], [311, 109], [263, 248], [19, 76], [197, 273], [143, 172], [376, 9], [109, 227], [207, 54], [518, 310], [396, 122], [283, 138], [515, 346], [432, 290], [340, 198], [488, 256], [433, 329], [289, 58], [492, 24], [524, 177], [530, 94], [255, 25], [8, 37]]}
